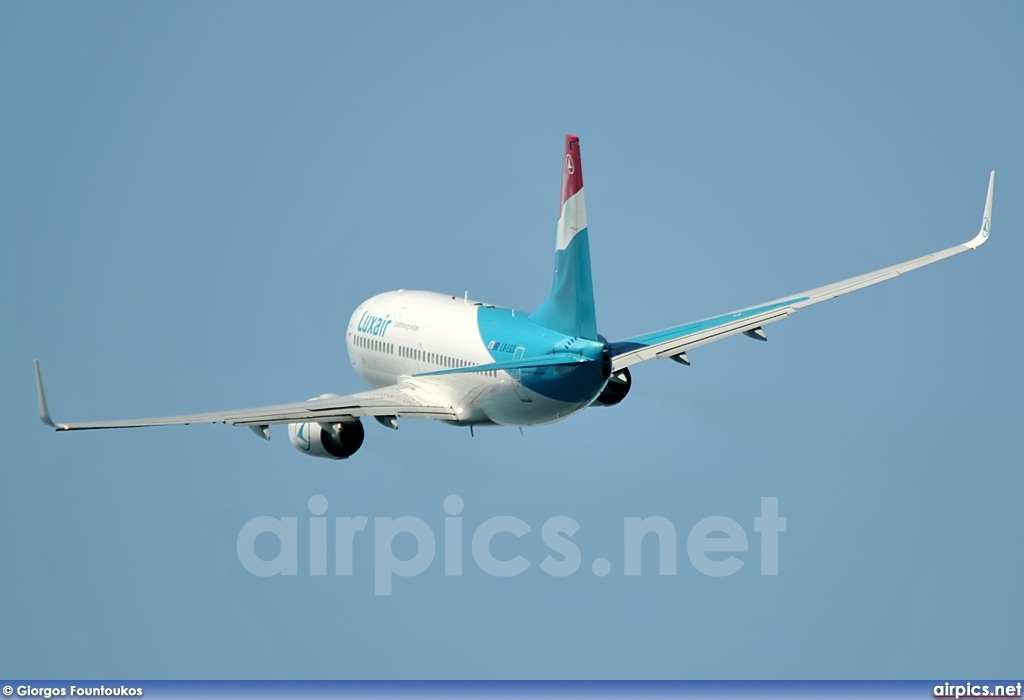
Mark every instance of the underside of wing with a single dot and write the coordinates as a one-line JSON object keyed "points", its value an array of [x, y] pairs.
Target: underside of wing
{"points": [[674, 342], [403, 400]]}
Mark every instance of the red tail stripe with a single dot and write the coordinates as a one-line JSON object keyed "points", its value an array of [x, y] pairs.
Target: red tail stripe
{"points": [[572, 168]]}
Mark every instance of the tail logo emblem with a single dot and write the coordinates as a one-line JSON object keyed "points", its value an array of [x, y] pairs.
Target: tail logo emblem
{"points": [[569, 165], [984, 227]]}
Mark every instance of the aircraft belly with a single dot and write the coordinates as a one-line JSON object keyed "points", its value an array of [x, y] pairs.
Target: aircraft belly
{"points": [[503, 405]]}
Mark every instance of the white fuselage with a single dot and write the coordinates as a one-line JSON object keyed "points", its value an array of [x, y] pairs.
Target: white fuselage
{"points": [[393, 336]]}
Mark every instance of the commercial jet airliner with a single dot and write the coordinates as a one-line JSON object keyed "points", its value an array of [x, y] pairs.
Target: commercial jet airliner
{"points": [[468, 363]]}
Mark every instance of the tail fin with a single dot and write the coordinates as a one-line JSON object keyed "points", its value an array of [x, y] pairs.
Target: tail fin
{"points": [[570, 307]]}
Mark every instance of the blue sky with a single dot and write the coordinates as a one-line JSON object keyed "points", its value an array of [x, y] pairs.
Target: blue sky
{"points": [[194, 197]]}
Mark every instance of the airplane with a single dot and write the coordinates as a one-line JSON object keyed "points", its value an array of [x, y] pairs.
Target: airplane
{"points": [[469, 363]]}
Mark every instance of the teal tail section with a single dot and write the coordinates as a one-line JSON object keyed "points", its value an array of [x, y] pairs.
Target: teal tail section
{"points": [[570, 308]]}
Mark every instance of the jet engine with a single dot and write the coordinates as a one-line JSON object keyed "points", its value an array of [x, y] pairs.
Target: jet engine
{"points": [[616, 389], [327, 440]]}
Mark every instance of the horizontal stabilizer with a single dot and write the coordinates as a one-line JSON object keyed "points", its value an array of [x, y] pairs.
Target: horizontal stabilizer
{"points": [[558, 358]]}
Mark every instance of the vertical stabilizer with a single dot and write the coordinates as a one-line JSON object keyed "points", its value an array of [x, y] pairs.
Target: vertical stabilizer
{"points": [[570, 308]]}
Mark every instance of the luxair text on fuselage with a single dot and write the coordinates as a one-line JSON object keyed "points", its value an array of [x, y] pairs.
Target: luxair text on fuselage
{"points": [[373, 325]]}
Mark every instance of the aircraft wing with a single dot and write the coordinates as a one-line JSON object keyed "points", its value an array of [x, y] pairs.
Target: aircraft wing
{"points": [[403, 400], [674, 342]]}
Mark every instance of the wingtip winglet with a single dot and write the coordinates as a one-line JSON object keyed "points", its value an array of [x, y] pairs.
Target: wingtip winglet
{"points": [[986, 218], [44, 411]]}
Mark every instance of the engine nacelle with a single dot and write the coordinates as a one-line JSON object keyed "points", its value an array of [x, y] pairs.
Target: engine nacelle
{"points": [[315, 440], [616, 389], [330, 441]]}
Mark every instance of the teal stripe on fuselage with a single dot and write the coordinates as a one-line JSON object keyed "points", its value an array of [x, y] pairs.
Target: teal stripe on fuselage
{"points": [[531, 362], [504, 331]]}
